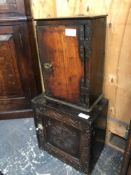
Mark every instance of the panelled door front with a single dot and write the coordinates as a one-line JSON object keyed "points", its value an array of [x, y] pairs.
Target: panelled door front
{"points": [[13, 92], [62, 66]]}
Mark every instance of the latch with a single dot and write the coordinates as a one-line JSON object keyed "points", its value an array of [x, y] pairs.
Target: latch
{"points": [[40, 128], [47, 66]]}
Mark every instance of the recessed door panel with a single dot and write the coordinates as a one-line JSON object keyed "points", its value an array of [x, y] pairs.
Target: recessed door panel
{"points": [[14, 88], [61, 64], [63, 137], [10, 84]]}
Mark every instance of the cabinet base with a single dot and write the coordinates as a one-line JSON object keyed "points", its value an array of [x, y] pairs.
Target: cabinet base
{"points": [[62, 132]]}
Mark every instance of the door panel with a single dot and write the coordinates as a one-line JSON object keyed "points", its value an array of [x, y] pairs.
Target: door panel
{"points": [[62, 69], [63, 136], [10, 84], [14, 90]]}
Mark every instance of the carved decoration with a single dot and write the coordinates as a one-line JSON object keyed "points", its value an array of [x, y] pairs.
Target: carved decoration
{"points": [[71, 143], [63, 137], [87, 40], [81, 42], [85, 52]]}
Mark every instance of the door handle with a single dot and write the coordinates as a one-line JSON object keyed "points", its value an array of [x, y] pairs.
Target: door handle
{"points": [[47, 66]]}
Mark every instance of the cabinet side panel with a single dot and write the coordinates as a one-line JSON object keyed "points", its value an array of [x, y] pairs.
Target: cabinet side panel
{"points": [[97, 60]]}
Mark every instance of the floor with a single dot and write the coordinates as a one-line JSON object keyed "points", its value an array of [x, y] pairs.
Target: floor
{"points": [[20, 155]]}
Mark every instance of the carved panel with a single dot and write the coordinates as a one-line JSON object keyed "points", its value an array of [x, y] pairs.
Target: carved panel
{"points": [[85, 52], [81, 42], [63, 137], [88, 40], [70, 143], [85, 150]]}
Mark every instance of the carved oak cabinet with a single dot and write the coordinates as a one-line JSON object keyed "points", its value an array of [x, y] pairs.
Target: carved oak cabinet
{"points": [[72, 58], [68, 115], [63, 133], [17, 55]]}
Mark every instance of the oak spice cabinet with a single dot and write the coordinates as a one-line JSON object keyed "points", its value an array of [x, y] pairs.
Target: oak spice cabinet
{"points": [[71, 52]]}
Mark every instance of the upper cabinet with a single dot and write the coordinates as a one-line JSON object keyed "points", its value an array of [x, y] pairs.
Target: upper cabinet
{"points": [[72, 58]]}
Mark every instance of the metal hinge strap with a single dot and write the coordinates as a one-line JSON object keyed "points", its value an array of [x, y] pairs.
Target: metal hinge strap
{"points": [[81, 43], [84, 92], [85, 41]]}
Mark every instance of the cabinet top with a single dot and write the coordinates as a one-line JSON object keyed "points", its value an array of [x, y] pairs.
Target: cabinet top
{"points": [[69, 20], [75, 17]]}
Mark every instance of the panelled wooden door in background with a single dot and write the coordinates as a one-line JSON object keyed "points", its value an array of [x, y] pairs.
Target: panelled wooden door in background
{"points": [[17, 71], [13, 84], [18, 59]]}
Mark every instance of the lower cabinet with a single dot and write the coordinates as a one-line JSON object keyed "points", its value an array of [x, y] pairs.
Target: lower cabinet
{"points": [[64, 133], [17, 71]]}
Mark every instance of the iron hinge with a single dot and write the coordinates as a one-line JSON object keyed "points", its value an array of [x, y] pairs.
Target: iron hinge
{"points": [[85, 41], [84, 92]]}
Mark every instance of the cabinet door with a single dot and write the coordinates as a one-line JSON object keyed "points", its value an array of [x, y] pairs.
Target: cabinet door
{"points": [[62, 67], [14, 90]]}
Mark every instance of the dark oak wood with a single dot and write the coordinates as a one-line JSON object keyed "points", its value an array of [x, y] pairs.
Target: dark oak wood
{"points": [[64, 134], [72, 65], [126, 165], [18, 60]]}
